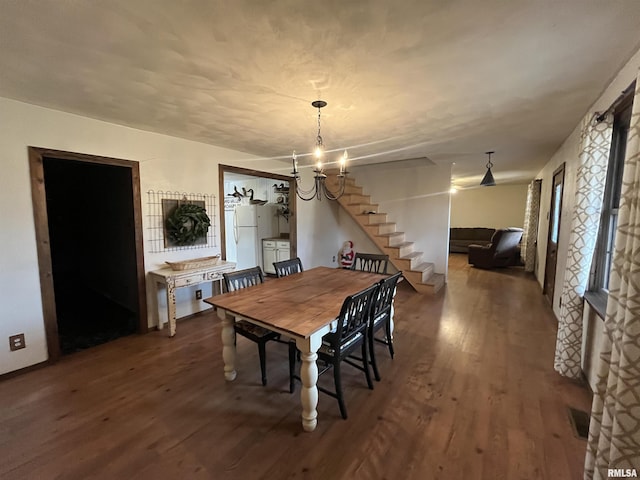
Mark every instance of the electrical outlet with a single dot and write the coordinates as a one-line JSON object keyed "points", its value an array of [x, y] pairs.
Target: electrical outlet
{"points": [[334, 259], [198, 294], [16, 342]]}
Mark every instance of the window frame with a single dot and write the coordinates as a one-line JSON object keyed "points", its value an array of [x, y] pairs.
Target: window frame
{"points": [[605, 243]]}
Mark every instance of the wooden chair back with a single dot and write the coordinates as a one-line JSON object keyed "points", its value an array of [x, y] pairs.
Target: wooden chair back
{"points": [[370, 262], [287, 267], [383, 300], [243, 278], [354, 317]]}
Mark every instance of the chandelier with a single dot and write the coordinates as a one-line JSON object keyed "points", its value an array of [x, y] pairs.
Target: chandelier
{"points": [[488, 180], [319, 187]]}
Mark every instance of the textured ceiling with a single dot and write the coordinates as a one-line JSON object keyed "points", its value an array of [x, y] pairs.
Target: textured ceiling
{"points": [[442, 79]]}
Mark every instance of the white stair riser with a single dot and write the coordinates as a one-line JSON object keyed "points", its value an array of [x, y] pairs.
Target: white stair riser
{"points": [[351, 190], [426, 274], [379, 229], [360, 208], [355, 198], [375, 218], [396, 240], [397, 252], [410, 263]]}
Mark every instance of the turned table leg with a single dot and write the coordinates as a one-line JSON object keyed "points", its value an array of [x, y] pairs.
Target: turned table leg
{"points": [[171, 307], [228, 344], [309, 376]]}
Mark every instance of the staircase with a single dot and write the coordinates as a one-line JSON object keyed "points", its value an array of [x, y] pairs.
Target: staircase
{"points": [[383, 233]]}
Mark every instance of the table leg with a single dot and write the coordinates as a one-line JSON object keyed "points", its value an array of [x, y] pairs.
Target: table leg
{"points": [[309, 376], [156, 309], [171, 307], [228, 345]]}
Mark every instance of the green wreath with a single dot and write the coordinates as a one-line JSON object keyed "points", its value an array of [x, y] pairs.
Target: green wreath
{"points": [[187, 223]]}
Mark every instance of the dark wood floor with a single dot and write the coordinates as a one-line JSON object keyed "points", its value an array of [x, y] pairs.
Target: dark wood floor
{"points": [[471, 394]]}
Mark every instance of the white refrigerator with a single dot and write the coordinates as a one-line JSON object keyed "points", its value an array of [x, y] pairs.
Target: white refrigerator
{"points": [[245, 228]]}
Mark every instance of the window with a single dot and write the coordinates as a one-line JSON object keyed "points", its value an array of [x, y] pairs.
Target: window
{"points": [[609, 220]]}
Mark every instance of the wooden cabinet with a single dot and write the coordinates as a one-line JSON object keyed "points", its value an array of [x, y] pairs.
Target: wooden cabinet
{"points": [[268, 256], [274, 250]]}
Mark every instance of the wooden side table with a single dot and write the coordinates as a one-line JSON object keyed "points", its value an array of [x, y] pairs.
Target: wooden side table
{"points": [[170, 280]]}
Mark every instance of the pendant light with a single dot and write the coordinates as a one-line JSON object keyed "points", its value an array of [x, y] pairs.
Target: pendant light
{"points": [[488, 180], [319, 188]]}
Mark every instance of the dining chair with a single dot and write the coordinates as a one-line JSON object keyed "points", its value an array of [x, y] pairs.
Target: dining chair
{"points": [[380, 317], [244, 279], [287, 267], [370, 262], [351, 333]]}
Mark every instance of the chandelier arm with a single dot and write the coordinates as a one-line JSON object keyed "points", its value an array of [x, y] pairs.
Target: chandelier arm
{"points": [[306, 195], [334, 195]]}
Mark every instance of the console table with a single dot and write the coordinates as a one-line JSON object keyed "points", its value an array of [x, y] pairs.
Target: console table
{"points": [[170, 280]]}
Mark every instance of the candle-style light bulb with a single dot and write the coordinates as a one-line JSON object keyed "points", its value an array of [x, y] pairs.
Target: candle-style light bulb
{"points": [[319, 165], [343, 162], [294, 159]]}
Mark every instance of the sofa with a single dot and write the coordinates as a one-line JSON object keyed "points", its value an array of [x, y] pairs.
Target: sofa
{"points": [[503, 251], [461, 238]]}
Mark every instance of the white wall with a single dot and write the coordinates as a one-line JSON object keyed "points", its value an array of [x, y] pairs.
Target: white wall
{"points": [[568, 154], [318, 228], [492, 207], [166, 163], [416, 198]]}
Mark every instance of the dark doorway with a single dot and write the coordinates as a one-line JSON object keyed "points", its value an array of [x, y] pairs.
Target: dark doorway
{"points": [[554, 231], [90, 213], [88, 228]]}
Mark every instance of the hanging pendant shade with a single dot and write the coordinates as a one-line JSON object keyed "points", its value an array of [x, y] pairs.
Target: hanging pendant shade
{"points": [[488, 180]]}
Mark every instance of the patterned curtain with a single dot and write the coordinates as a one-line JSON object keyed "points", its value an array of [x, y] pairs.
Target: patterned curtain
{"points": [[614, 433], [590, 181], [531, 215]]}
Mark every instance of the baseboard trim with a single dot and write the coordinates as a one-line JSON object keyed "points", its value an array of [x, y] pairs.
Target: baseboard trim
{"points": [[22, 371]]}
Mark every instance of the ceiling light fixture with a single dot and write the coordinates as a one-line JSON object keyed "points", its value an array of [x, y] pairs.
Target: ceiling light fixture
{"points": [[319, 188], [488, 180]]}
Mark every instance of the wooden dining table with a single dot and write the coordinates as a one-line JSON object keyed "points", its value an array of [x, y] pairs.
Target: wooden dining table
{"points": [[303, 306]]}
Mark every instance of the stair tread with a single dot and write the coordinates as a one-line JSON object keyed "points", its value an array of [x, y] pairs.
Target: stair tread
{"points": [[435, 279], [391, 234], [411, 255], [401, 245], [422, 267]]}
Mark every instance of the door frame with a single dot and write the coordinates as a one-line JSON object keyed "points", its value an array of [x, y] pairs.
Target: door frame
{"points": [[40, 217], [558, 171], [293, 230]]}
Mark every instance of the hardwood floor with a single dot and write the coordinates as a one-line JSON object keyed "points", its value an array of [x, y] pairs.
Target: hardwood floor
{"points": [[471, 394]]}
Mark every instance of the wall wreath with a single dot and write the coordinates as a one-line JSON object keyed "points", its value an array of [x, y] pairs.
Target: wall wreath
{"points": [[187, 224]]}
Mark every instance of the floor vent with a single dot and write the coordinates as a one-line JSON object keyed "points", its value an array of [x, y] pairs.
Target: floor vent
{"points": [[580, 422]]}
